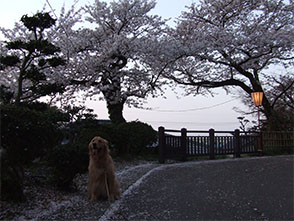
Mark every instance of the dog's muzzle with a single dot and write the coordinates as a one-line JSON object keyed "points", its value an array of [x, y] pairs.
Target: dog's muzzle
{"points": [[95, 149]]}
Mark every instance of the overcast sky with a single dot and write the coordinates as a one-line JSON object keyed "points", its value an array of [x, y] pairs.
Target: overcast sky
{"points": [[174, 112]]}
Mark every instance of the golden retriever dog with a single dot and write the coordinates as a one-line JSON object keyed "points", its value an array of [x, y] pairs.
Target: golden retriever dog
{"points": [[102, 181]]}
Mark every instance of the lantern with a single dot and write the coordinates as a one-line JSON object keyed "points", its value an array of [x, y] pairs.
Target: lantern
{"points": [[257, 98]]}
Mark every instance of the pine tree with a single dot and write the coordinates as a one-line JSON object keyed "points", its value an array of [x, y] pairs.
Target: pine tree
{"points": [[33, 60]]}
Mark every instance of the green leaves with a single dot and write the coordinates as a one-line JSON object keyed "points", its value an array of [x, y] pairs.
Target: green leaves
{"points": [[34, 74], [53, 62], [47, 89], [18, 44], [32, 60], [9, 60], [40, 45], [56, 61], [39, 20], [45, 47], [42, 62]]}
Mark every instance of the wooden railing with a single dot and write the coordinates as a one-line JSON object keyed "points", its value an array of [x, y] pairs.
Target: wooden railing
{"points": [[278, 141], [210, 143]]}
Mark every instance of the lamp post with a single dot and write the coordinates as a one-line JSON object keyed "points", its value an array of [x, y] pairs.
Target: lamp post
{"points": [[257, 100]]}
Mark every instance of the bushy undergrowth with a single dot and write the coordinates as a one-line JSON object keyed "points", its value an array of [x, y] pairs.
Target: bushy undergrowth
{"points": [[28, 131], [11, 179], [66, 161], [125, 139], [37, 130], [133, 138], [270, 151]]}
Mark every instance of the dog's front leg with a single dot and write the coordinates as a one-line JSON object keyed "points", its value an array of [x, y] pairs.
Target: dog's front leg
{"points": [[90, 191], [113, 187], [108, 186], [93, 193]]}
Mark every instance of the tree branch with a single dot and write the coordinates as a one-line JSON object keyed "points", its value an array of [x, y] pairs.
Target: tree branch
{"points": [[282, 93], [215, 84]]}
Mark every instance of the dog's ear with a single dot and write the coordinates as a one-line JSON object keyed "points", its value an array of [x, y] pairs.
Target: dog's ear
{"points": [[91, 145], [106, 142], [106, 145]]}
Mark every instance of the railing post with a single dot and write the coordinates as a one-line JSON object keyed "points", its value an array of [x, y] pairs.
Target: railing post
{"points": [[260, 147], [161, 143], [211, 144], [237, 143], [184, 143]]}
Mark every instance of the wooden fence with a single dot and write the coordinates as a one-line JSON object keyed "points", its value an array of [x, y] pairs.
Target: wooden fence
{"points": [[179, 143], [278, 141]]}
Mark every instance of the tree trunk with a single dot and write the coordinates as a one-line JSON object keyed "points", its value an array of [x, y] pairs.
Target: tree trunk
{"points": [[274, 121], [115, 112], [19, 90]]}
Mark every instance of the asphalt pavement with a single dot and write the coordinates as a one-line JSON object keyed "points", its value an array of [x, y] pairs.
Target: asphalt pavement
{"points": [[232, 189]]}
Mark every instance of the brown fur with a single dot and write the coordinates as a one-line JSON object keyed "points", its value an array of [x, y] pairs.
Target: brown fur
{"points": [[101, 165]]}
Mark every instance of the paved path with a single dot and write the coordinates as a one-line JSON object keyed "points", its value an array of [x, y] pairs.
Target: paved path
{"points": [[231, 189]]}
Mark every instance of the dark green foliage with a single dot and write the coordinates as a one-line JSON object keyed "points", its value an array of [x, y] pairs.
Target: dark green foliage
{"points": [[81, 132], [9, 60], [133, 137], [48, 89], [36, 55], [5, 95], [34, 74], [26, 133], [56, 61], [11, 179], [80, 113], [39, 20], [32, 130], [124, 139], [42, 62], [72, 158], [274, 151], [45, 47], [35, 45], [66, 161], [15, 44]]}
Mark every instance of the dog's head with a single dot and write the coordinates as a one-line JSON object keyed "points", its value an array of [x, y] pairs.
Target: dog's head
{"points": [[98, 147]]}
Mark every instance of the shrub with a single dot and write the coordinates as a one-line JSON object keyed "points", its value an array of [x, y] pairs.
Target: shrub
{"points": [[133, 137], [82, 131], [11, 187], [27, 133], [66, 161]]}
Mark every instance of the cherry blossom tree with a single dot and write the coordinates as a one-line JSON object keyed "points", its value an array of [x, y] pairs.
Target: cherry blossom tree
{"points": [[108, 57], [281, 93], [232, 43]]}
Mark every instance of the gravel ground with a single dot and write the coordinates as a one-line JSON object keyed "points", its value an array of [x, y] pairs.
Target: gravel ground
{"points": [[231, 189], [45, 203]]}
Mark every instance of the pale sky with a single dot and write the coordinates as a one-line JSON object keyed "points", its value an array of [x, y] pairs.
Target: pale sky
{"points": [[194, 113]]}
